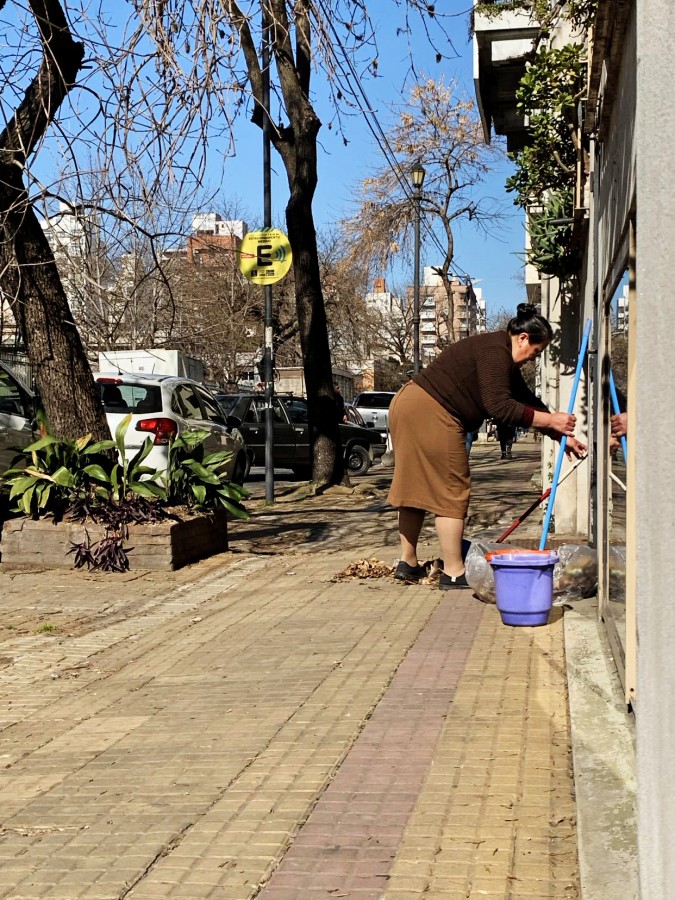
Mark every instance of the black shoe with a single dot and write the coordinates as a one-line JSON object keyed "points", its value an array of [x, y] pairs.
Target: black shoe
{"points": [[404, 572], [449, 582], [503, 456]]}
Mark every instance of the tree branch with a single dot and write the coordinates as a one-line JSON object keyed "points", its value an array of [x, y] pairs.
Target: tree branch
{"points": [[61, 61]]}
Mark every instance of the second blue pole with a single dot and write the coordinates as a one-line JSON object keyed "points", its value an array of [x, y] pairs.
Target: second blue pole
{"points": [[563, 442]]}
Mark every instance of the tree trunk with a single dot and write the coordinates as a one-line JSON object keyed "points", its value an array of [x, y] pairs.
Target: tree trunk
{"points": [[328, 465], [31, 280], [28, 274]]}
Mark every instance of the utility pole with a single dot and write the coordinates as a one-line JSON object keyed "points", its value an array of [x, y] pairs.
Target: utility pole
{"points": [[417, 174], [268, 361]]}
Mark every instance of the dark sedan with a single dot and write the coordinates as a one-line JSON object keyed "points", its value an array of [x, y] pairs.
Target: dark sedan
{"points": [[361, 445]]}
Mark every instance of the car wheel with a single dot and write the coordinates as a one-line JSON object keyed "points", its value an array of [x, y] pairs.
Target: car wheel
{"points": [[241, 468], [357, 460]]}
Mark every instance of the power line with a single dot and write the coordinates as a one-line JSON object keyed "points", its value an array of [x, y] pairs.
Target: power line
{"points": [[374, 126]]}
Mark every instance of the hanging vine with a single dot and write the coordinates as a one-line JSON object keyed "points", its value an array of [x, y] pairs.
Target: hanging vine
{"points": [[581, 13], [537, 8]]}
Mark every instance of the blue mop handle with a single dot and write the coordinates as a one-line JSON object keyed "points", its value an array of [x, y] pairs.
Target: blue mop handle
{"points": [[617, 410], [563, 442]]}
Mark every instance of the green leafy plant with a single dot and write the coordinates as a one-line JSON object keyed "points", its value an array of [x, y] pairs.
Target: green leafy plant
{"points": [[551, 237], [548, 95], [52, 474], [196, 479], [89, 481], [45, 475], [131, 476]]}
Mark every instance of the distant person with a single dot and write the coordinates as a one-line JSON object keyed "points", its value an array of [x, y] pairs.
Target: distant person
{"points": [[339, 404], [430, 416], [506, 436], [471, 437]]}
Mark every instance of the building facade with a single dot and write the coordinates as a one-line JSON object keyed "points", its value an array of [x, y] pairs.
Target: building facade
{"points": [[622, 226]]}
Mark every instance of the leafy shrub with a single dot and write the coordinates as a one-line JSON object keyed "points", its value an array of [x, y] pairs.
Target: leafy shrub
{"points": [[551, 240], [52, 474], [548, 94], [196, 480], [88, 480]]}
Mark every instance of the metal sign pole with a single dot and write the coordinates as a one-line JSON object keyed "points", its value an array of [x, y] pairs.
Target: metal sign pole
{"points": [[268, 362]]}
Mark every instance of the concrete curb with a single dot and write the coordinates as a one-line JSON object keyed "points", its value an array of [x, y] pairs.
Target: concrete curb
{"points": [[603, 750]]}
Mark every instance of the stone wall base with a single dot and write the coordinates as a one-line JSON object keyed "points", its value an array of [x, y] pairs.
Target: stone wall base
{"points": [[159, 547]]}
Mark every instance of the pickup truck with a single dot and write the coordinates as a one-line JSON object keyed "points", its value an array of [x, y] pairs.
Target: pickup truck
{"points": [[374, 409]]}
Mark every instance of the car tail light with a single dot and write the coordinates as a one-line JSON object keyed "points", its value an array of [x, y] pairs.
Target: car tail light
{"points": [[163, 429]]}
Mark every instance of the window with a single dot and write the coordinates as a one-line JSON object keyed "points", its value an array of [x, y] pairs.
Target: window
{"points": [[12, 398], [297, 411], [375, 401], [186, 403], [211, 409], [131, 398], [251, 414], [277, 411]]}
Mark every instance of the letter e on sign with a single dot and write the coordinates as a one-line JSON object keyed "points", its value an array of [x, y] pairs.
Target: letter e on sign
{"points": [[265, 256]]}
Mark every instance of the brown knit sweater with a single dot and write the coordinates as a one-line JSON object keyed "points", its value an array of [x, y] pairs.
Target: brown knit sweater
{"points": [[476, 378]]}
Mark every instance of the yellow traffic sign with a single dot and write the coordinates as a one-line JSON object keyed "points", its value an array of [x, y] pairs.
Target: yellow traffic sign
{"points": [[265, 256]]}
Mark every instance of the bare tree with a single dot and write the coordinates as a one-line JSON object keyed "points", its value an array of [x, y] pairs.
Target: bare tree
{"points": [[219, 317], [119, 289], [444, 134], [221, 65], [28, 273], [163, 78]]}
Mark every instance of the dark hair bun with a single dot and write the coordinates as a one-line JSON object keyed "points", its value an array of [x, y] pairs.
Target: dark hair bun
{"points": [[526, 311]]}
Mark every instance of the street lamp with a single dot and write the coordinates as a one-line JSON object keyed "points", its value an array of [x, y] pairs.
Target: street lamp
{"points": [[417, 174]]}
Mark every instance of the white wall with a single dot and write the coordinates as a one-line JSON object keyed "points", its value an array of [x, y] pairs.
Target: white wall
{"points": [[655, 447]]}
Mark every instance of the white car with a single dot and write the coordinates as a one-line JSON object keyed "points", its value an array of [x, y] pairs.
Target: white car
{"points": [[163, 406]]}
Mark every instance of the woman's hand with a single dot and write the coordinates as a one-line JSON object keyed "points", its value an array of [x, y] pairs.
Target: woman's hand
{"points": [[563, 423], [619, 424], [574, 448]]}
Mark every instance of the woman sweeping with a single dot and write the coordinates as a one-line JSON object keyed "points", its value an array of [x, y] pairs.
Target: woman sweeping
{"points": [[430, 417]]}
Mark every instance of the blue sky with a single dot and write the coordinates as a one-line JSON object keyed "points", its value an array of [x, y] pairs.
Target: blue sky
{"points": [[493, 261]]}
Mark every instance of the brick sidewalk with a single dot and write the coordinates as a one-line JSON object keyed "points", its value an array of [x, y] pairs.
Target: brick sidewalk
{"points": [[250, 727]]}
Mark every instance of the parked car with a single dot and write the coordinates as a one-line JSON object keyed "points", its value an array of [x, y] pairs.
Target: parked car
{"points": [[17, 415], [291, 433], [374, 408], [162, 406]]}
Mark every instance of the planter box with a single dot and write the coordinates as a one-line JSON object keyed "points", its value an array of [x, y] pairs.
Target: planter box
{"points": [[160, 547]]}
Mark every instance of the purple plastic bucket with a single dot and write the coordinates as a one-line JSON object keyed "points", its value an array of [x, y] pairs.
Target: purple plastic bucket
{"points": [[524, 585]]}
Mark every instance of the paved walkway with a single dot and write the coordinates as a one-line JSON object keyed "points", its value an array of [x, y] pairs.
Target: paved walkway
{"points": [[252, 727]]}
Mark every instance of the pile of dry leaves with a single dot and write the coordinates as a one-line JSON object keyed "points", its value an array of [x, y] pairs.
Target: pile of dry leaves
{"points": [[375, 568]]}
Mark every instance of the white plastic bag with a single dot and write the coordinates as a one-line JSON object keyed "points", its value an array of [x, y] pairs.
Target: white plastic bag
{"points": [[575, 575], [478, 571]]}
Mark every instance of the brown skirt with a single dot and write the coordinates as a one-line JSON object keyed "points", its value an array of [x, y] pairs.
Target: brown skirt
{"points": [[431, 465]]}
